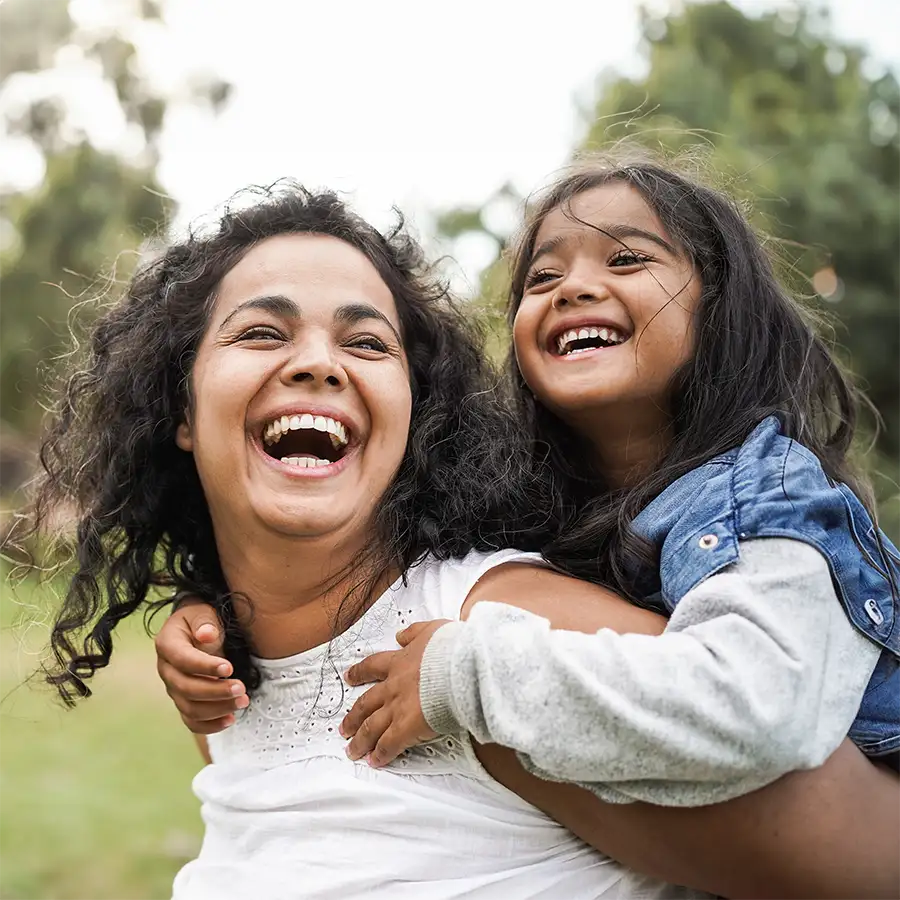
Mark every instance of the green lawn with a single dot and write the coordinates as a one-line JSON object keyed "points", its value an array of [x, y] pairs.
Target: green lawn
{"points": [[95, 803]]}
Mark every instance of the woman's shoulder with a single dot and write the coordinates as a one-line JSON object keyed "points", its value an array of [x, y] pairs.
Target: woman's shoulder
{"points": [[442, 585]]}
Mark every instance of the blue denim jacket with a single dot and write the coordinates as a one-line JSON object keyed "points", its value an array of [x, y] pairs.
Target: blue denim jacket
{"points": [[771, 486]]}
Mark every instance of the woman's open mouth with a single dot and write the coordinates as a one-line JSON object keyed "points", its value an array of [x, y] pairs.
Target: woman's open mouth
{"points": [[305, 440]]}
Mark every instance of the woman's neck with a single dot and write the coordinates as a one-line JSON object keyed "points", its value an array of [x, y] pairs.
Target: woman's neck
{"points": [[298, 590]]}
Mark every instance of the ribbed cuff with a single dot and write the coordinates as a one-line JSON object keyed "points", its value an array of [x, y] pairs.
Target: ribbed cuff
{"points": [[435, 689]]}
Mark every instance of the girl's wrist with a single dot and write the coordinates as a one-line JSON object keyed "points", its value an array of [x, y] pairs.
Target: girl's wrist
{"points": [[435, 688]]}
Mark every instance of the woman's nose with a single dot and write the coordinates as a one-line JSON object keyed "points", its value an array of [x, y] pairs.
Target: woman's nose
{"points": [[315, 363]]}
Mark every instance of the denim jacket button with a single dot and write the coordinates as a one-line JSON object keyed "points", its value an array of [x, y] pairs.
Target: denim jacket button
{"points": [[873, 612], [708, 541]]}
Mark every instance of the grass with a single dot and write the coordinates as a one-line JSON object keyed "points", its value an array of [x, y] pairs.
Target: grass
{"points": [[95, 803]]}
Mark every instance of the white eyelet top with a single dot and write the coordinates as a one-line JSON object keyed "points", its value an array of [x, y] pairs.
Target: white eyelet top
{"points": [[287, 815]]}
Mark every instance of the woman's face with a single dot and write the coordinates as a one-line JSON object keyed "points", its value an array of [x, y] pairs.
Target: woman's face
{"points": [[606, 315], [301, 393]]}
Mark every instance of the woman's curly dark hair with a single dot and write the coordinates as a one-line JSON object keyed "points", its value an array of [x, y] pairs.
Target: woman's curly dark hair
{"points": [[110, 454]]}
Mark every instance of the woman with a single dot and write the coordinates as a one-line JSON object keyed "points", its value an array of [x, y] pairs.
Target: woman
{"points": [[570, 438], [284, 419]]}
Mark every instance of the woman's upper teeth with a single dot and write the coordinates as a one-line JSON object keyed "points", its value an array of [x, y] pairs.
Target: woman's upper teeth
{"points": [[609, 335], [276, 428]]}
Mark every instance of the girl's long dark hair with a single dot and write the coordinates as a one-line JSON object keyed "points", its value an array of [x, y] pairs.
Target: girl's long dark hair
{"points": [[757, 353], [109, 456]]}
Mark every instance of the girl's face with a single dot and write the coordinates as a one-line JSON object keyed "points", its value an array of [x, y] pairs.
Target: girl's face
{"points": [[301, 393], [606, 315]]}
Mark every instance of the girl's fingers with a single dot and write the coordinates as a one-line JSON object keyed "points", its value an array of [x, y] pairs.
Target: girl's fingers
{"points": [[198, 688], [208, 712], [368, 734], [365, 705], [179, 652], [390, 745], [373, 668], [214, 726], [200, 620], [193, 624]]}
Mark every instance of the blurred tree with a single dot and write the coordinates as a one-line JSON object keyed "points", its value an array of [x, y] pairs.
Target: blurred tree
{"points": [[807, 127], [799, 123], [94, 208]]}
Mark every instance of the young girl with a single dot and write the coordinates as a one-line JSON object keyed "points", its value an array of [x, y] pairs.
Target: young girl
{"points": [[678, 389], [700, 430]]}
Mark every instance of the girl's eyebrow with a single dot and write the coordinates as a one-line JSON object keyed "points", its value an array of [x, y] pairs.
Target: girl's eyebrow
{"points": [[615, 230]]}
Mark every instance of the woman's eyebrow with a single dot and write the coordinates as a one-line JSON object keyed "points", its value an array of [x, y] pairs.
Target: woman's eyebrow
{"points": [[277, 304], [351, 313], [617, 231]]}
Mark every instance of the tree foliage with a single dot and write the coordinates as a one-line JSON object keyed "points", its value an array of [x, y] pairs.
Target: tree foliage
{"points": [[67, 238], [798, 122], [805, 127]]}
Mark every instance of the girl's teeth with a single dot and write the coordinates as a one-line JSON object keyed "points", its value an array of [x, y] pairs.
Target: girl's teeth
{"points": [[320, 424], [609, 335], [306, 421]]}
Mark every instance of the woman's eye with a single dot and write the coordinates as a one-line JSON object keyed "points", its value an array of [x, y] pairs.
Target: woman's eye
{"points": [[542, 276], [627, 258], [368, 342], [261, 333]]}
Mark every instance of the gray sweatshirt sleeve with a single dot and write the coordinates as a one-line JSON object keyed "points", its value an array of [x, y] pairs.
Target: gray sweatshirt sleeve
{"points": [[758, 673]]}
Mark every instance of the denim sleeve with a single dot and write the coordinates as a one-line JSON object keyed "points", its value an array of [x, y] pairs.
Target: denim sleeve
{"points": [[758, 673]]}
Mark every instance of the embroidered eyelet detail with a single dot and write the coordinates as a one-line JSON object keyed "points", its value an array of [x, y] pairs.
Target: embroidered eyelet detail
{"points": [[294, 716], [708, 541]]}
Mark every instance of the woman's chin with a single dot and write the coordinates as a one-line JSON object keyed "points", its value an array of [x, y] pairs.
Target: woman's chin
{"points": [[308, 522]]}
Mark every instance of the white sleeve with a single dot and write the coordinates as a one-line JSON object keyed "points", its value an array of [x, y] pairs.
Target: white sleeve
{"points": [[758, 673], [454, 579]]}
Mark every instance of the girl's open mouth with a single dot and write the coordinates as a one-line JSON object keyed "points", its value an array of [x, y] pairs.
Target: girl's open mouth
{"points": [[580, 340]]}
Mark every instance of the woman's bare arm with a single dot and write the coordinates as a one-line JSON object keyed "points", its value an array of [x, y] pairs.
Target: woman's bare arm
{"points": [[828, 832]]}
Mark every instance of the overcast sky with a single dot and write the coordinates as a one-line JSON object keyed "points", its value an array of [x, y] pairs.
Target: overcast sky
{"points": [[402, 101]]}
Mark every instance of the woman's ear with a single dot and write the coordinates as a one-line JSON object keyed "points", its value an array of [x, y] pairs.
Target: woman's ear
{"points": [[184, 437]]}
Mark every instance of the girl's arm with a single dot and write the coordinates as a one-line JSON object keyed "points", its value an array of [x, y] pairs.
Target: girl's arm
{"points": [[832, 832], [203, 747], [759, 673]]}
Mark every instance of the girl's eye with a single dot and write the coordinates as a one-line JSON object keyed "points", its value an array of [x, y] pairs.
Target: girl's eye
{"points": [[368, 342], [627, 258], [542, 276], [261, 333]]}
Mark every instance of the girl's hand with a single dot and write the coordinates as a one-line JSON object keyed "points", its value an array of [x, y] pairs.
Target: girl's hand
{"points": [[189, 661], [387, 719]]}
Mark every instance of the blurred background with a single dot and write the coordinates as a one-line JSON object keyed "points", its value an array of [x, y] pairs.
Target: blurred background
{"points": [[125, 121]]}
